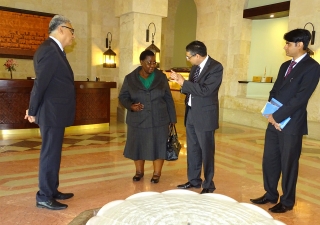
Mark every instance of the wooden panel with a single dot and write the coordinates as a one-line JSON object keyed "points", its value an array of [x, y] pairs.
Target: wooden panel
{"points": [[263, 12], [92, 103], [22, 31]]}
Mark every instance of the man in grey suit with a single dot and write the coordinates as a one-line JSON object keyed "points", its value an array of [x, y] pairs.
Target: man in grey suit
{"points": [[52, 107], [202, 114]]}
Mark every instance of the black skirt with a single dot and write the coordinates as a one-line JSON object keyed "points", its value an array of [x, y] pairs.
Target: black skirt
{"points": [[146, 143]]}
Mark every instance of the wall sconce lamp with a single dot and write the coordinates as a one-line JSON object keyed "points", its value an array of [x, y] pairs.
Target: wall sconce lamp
{"points": [[313, 33], [152, 47], [109, 55]]}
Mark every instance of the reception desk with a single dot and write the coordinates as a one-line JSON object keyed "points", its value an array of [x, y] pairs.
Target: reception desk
{"points": [[92, 103]]}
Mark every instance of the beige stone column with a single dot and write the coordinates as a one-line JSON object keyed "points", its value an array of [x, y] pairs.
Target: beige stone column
{"points": [[135, 16]]}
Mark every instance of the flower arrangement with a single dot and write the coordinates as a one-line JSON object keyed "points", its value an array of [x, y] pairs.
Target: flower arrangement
{"points": [[10, 65]]}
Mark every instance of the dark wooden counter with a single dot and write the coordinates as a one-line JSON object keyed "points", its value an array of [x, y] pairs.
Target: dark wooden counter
{"points": [[92, 103]]}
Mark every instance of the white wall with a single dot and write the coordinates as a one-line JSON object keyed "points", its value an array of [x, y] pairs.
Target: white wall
{"points": [[266, 49], [266, 52]]}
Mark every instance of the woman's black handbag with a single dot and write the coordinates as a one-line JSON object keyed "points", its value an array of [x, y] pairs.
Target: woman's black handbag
{"points": [[173, 144]]}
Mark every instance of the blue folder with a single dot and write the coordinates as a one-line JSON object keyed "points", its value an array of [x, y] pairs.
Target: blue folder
{"points": [[271, 107]]}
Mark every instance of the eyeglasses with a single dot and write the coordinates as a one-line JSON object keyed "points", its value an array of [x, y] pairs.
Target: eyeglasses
{"points": [[151, 63], [189, 57], [71, 29]]}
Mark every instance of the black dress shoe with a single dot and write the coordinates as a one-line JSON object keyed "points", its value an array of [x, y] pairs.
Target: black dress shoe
{"points": [[187, 185], [51, 204], [137, 177], [206, 190], [262, 200], [279, 208], [155, 179], [63, 196]]}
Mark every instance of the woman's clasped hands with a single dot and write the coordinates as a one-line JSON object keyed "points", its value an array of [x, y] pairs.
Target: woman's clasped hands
{"points": [[136, 107]]}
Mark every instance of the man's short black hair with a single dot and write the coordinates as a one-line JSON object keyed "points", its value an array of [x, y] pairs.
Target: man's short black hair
{"points": [[298, 35], [197, 47]]}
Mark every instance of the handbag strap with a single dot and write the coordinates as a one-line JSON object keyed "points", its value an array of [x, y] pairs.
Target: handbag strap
{"points": [[173, 130]]}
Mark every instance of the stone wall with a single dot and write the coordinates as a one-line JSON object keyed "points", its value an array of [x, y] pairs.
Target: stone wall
{"points": [[219, 25], [228, 38], [91, 19]]}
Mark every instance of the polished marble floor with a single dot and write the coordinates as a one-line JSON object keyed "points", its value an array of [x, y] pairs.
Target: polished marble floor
{"points": [[94, 169]]}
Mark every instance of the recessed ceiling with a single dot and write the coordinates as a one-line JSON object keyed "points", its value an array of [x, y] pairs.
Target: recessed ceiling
{"points": [[263, 12]]}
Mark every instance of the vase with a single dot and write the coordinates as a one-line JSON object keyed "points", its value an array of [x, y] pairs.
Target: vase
{"points": [[11, 74]]}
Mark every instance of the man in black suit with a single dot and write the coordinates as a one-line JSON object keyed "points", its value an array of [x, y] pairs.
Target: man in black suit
{"points": [[296, 81], [202, 114], [52, 107]]}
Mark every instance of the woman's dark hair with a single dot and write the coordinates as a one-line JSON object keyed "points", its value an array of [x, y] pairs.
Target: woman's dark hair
{"points": [[146, 53], [197, 47], [298, 35]]}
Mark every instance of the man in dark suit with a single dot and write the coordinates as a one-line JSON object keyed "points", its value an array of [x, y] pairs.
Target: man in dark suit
{"points": [[52, 107], [296, 81], [202, 114]]}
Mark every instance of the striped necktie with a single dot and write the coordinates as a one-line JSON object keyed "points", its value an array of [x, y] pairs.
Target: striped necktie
{"points": [[193, 79], [290, 68]]}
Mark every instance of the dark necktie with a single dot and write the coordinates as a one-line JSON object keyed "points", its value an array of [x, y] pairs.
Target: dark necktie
{"points": [[193, 79], [64, 53], [290, 68]]}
